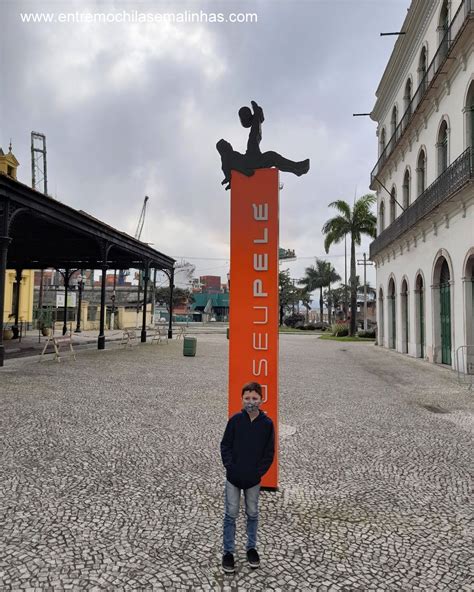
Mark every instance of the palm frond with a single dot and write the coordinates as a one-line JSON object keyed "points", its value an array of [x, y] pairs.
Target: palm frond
{"points": [[332, 238], [337, 225], [343, 207]]}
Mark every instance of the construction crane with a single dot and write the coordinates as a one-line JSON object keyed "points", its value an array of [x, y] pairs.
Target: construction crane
{"points": [[141, 221]]}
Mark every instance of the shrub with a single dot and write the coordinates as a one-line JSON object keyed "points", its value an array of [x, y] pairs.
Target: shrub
{"points": [[321, 326], [340, 330], [370, 334], [308, 327], [295, 320]]}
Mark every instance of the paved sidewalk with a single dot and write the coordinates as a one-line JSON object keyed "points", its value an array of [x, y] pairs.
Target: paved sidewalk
{"points": [[110, 475], [32, 344]]}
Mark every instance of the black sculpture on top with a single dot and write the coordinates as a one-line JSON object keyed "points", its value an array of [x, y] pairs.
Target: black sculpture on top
{"points": [[254, 158]]}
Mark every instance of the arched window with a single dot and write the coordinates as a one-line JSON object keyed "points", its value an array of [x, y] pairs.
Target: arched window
{"points": [[470, 119], [442, 147], [407, 100], [393, 197], [382, 217], [469, 307], [443, 26], [394, 120], [392, 315], [422, 70], [406, 189], [421, 172], [442, 310], [382, 141]]}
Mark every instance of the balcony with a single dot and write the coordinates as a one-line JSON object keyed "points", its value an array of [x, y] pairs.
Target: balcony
{"points": [[459, 22], [458, 174]]}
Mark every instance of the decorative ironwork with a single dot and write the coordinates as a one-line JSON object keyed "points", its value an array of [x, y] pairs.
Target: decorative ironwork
{"points": [[463, 14], [447, 184]]}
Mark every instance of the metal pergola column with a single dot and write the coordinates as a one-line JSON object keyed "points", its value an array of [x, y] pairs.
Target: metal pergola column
{"points": [[146, 274], [170, 325], [101, 338], [16, 312], [4, 242]]}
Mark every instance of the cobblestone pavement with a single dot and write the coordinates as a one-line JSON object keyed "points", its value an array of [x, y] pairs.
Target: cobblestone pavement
{"points": [[111, 477]]}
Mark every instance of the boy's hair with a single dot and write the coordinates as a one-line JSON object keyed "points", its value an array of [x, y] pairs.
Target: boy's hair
{"points": [[252, 386]]}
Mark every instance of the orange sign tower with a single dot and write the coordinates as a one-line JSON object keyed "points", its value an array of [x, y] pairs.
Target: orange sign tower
{"points": [[253, 331]]}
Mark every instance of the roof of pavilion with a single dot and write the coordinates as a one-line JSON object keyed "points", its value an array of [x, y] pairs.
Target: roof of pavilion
{"points": [[47, 233]]}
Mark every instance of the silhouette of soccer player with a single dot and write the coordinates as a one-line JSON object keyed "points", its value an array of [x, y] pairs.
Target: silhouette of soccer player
{"points": [[254, 158]]}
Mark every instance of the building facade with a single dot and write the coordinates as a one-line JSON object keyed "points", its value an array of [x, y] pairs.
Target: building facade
{"points": [[210, 284], [424, 250], [18, 307]]}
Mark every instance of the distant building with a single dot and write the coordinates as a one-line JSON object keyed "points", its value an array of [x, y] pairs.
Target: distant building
{"points": [[207, 306], [210, 284], [424, 251]]}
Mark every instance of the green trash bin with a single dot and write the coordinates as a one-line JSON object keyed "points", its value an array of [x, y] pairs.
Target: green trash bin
{"points": [[189, 346]]}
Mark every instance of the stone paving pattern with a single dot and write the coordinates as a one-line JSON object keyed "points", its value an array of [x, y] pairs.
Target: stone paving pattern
{"points": [[111, 479]]}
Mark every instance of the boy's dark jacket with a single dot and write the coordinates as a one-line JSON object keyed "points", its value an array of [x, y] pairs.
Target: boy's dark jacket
{"points": [[247, 448]]}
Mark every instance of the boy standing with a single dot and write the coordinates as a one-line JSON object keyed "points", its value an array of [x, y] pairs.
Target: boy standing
{"points": [[247, 451]]}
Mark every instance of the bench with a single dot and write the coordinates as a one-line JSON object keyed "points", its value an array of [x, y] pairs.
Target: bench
{"points": [[57, 343], [179, 331], [160, 335], [129, 338]]}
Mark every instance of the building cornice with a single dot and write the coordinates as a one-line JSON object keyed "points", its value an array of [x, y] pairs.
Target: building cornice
{"points": [[415, 25]]}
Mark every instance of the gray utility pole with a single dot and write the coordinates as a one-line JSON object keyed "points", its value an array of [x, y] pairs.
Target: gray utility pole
{"points": [[364, 262]]}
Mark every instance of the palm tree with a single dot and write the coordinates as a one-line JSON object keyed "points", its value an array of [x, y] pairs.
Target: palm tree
{"points": [[356, 221], [319, 276]]}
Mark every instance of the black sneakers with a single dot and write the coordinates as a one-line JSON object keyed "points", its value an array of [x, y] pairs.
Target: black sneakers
{"points": [[228, 564], [253, 558]]}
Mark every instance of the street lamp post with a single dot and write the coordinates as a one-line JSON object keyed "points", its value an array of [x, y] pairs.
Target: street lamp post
{"points": [[80, 286]]}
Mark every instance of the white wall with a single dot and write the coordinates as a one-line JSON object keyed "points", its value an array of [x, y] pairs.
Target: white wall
{"points": [[455, 243], [451, 107], [431, 40]]}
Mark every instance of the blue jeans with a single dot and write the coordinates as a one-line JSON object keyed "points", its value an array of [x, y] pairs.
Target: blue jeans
{"points": [[232, 503]]}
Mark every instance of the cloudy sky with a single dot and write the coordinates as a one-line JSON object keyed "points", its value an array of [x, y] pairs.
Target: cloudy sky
{"points": [[135, 109]]}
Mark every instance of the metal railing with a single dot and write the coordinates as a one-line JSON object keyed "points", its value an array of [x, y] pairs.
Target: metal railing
{"points": [[464, 12], [460, 172], [465, 365]]}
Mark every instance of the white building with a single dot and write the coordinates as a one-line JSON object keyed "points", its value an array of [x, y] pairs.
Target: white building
{"points": [[424, 251]]}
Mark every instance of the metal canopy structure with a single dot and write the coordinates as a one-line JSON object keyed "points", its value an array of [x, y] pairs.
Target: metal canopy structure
{"points": [[38, 232]]}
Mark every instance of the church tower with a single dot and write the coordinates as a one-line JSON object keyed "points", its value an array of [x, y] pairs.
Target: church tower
{"points": [[8, 163]]}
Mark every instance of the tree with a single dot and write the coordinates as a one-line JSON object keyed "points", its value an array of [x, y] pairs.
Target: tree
{"points": [[286, 292], [180, 297], [355, 221], [305, 298], [319, 276], [335, 299]]}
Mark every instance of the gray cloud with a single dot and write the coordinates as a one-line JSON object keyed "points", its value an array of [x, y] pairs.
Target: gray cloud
{"points": [[130, 110]]}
